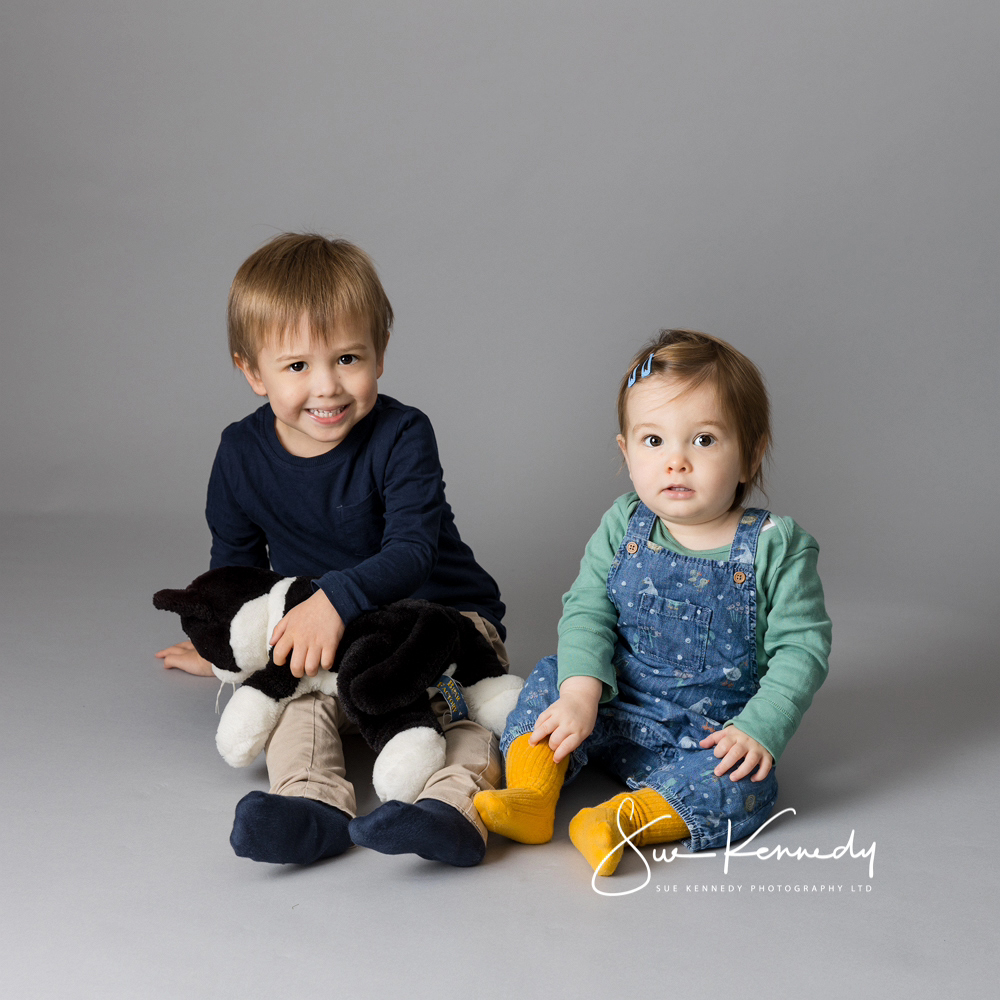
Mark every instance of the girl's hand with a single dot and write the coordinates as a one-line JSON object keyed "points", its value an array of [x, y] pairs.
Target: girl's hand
{"points": [[311, 632], [183, 656], [732, 746], [569, 720]]}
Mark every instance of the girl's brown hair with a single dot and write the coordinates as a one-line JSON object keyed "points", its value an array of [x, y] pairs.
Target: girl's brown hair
{"points": [[693, 358], [304, 274]]}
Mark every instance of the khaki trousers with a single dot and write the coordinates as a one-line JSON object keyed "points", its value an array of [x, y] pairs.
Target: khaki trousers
{"points": [[305, 754]]}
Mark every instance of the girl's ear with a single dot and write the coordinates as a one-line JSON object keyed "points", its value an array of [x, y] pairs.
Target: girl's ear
{"points": [[250, 375], [621, 446], [758, 458]]}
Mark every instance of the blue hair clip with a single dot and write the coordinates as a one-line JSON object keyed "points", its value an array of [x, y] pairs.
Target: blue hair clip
{"points": [[647, 367]]}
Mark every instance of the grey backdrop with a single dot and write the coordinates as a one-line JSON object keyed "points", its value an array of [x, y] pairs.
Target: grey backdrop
{"points": [[542, 185]]}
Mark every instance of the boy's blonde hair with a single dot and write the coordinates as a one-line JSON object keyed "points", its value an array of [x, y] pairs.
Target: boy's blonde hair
{"points": [[298, 274], [693, 358]]}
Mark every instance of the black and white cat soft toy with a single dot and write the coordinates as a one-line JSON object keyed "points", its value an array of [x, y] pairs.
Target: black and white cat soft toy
{"points": [[389, 662]]}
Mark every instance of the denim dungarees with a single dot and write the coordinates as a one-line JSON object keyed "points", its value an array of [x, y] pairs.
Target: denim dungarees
{"points": [[686, 662]]}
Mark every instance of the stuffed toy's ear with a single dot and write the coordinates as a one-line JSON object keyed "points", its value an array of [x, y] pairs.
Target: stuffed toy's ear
{"points": [[477, 658], [182, 602]]}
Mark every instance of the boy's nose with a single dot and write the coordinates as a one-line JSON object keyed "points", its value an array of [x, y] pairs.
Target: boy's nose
{"points": [[678, 462], [325, 382]]}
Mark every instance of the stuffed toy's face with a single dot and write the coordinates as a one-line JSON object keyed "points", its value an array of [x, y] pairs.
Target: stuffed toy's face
{"points": [[211, 639], [224, 613]]}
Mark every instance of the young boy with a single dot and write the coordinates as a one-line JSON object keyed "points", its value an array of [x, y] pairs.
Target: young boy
{"points": [[332, 480]]}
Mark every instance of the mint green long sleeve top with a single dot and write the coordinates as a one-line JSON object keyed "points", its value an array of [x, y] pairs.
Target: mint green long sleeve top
{"points": [[793, 628]]}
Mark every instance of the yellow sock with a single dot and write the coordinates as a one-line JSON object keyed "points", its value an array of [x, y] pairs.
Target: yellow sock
{"points": [[526, 809], [595, 833]]}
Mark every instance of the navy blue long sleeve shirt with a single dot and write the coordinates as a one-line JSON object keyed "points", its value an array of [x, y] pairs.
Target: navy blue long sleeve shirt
{"points": [[369, 518]]}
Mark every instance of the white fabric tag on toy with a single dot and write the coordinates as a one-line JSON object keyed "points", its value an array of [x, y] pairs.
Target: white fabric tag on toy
{"points": [[218, 695]]}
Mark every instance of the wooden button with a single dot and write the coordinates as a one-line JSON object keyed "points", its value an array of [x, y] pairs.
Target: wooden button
{"points": [[739, 576], [631, 548]]}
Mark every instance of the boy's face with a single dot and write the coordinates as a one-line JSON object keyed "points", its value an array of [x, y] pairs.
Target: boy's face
{"points": [[318, 392], [683, 459]]}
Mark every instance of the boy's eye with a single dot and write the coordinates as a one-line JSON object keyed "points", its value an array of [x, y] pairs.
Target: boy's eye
{"points": [[704, 440], [652, 441], [347, 359], [297, 366]]}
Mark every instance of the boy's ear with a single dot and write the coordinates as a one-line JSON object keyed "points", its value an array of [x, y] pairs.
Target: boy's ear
{"points": [[250, 375], [381, 360]]}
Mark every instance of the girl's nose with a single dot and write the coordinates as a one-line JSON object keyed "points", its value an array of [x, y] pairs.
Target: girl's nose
{"points": [[678, 462]]}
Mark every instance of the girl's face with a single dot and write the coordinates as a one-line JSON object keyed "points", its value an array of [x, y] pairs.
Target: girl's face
{"points": [[683, 459]]}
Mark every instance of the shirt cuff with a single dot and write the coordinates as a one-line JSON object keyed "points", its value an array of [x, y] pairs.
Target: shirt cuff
{"points": [[579, 656], [770, 724]]}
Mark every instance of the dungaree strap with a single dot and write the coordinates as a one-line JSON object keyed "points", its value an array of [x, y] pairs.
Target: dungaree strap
{"points": [[640, 524], [744, 547]]}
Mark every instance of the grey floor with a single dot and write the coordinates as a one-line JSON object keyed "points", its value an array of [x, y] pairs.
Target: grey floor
{"points": [[119, 880]]}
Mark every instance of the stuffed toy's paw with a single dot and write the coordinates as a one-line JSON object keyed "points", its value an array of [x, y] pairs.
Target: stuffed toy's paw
{"points": [[251, 714], [406, 762], [245, 725], [492, 699]]}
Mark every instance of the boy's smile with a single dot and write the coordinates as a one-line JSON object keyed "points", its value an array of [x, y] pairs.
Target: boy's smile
{"points": [[683, 460], [318, 391]]}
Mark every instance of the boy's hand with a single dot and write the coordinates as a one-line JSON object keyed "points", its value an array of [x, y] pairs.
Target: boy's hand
{"points": [[732, 745], [569, 720], [183, 656], [311, 632]]}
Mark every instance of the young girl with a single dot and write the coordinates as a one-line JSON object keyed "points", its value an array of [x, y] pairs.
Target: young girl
{"points": [[694, 636]]}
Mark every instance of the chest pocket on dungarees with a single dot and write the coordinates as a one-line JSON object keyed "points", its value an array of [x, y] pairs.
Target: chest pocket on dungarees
{"points": [[673, 633]]}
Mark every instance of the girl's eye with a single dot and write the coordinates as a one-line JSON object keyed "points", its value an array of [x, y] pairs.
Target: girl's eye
{"points": [[347, 359], [652, 441], [297, 366], [704, 440]]}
